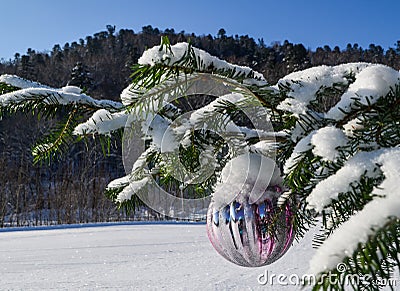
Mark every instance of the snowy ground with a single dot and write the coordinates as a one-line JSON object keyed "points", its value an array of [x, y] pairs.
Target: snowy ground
{"points": [[131, 257]]}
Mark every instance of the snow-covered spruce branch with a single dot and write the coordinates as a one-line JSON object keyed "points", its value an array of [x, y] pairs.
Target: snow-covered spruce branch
{"points": [[64, 96], [339, 143], [186, 57], [20, 95], [165, 61], [342, 165]]}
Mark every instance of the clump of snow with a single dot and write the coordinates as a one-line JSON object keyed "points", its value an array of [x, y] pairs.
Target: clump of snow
{"points": [[162, 134], [131, 93], [326, 142], [305, 84], [302, 146], [142, 159], [64, 96], [131, 186], [175, 53], [371, 83], [362, 163], [344, 241], [201, 114], [264, 147], [118, 183], [102, 122], [390, 166], [42, 148], [352, 125], [127, 95], [131, 189], [209, 116], [246, 176], [167, 135], [71, 89]]}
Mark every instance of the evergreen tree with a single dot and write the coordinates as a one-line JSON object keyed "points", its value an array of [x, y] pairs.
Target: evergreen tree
{"points": [[221, 33], [26, 69], [80, 77], [340, 159]]}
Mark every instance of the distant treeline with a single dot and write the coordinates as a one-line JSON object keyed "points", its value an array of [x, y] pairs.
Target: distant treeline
{"points": [[71, 190], [108, 56]]}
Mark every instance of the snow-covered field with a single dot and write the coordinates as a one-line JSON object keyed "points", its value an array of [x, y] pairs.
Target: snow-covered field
{"points": [[131, 257]]}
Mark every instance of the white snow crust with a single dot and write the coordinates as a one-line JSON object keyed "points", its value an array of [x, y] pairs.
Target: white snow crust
{"points": [[129, 256], [102, 122]]}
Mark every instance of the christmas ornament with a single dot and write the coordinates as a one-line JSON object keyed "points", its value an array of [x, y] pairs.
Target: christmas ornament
{"points": [[251, 234]]}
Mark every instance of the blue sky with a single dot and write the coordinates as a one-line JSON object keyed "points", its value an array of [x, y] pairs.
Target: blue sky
{"points": [[40, 24]]}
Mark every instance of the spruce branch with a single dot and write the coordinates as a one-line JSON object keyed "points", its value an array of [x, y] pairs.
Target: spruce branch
{"points": [[7, 88], [57, 141], [372, 264]]}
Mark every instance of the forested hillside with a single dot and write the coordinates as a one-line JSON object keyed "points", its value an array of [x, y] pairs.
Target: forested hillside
{"points": [[71, 190]]}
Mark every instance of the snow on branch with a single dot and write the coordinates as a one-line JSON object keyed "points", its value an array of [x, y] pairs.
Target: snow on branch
{"points": [[172, 55], [304, 85], [344, 241], [361, 164], [302, 146], [324, 142], [130, 190], [327, 141], [63, 96], [102, 122], [371, 83]]}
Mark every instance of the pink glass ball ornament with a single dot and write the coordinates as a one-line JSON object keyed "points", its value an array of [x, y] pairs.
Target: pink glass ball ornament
{"points": [[239, 231]]}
